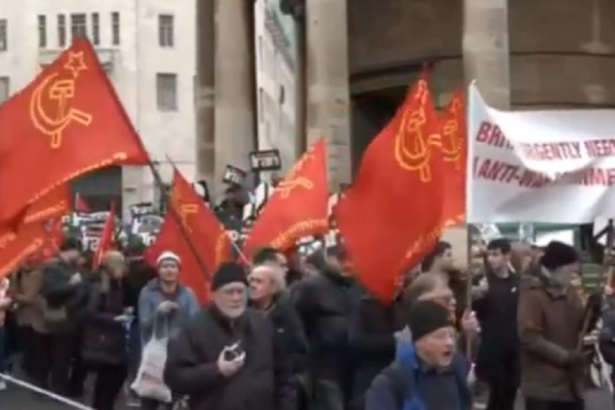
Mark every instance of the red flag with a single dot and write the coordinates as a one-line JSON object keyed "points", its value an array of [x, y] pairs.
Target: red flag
{"points": [[454, 150], [107, 239], [27, 242], [392, 215], [81, 205], [66, 122], [208, 237], [299, 206], [56, 203]]}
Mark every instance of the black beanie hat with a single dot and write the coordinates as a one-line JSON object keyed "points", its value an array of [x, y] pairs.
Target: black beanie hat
{"points": [[228, 272], [426, 316], [558, 254], [70, 244]]}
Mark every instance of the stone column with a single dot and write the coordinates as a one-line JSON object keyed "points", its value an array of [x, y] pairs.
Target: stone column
{"points": [[204, 93], [234, 88], [486, 51], [327, 84]]}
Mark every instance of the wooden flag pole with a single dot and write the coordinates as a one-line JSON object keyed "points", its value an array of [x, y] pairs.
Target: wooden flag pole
{"points": [[171, 208]]}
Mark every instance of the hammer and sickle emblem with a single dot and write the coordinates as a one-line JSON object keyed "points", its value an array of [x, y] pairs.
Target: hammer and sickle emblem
{"points": [[412, 147], [185, 210], [59, 91], [287, 186], [451, 140]]}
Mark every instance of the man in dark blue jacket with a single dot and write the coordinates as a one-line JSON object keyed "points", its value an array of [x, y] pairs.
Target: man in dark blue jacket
{"points": [[427, 374]]}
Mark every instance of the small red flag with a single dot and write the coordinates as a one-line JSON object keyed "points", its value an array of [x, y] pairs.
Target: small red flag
{"points": [[81, 205], [107, 239]]}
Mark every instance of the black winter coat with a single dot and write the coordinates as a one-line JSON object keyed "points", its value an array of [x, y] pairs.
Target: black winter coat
{"points": [[372, 338], [326, 303], [289, 331], [264, 381]]}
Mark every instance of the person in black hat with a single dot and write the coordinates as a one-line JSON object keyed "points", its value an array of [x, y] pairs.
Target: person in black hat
{"points": [[228, 357], [549, 320], [427, 374]]}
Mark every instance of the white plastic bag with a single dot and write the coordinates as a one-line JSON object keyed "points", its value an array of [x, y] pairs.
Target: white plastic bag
{"points": [[149, 383]]}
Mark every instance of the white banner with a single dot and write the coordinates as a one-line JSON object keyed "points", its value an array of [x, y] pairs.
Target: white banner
{"points": [[555, 166]]}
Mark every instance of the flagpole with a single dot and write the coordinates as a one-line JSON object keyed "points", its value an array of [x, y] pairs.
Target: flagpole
{"points": [[178, 219]]}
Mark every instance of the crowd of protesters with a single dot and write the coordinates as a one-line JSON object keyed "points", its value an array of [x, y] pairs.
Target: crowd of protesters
{"points": [[291, 333]]}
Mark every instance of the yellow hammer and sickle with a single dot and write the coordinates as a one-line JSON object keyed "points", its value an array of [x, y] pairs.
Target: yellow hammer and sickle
{"points": [[286, 187], [411, 146], [60, 91], [451, 140], [185, 210]]}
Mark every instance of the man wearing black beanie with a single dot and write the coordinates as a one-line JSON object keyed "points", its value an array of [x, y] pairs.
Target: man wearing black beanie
{"points": [[549, 320], [228, 354], [427, 374]]}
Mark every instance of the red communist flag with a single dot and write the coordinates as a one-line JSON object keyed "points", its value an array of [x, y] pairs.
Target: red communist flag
{"points": [[453, 134], [29, 240], [298, 207], [392, 215], [201, 227], [66, 122], [81, 205], [55, 204], [107, 239]]}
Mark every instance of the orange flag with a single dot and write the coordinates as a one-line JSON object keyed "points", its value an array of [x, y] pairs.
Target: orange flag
{"points": [[28, 241], [455, 153], [207, 235], [107, 239], [392, 215], [299, 206], [65, 123], [81, 205], [56, 203]]}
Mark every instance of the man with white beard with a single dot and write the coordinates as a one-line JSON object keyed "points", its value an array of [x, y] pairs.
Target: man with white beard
{"points": [[227, 357]]}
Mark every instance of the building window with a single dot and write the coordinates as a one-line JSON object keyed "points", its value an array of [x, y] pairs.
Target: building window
{"points": [[4, 35], [42, 31], [79, 25], [166, 92], [165, 30], [61, 30], [115, 28], [5, 86], [95, 37]]}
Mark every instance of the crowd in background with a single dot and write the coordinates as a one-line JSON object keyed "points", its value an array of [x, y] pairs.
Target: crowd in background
{"points": [[291, 332]]}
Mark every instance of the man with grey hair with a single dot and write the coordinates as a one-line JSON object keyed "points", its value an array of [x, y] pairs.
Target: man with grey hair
{"points": [[268, 294]]}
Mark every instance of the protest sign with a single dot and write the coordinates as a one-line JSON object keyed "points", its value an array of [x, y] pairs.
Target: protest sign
{"points": [[555, 166]]}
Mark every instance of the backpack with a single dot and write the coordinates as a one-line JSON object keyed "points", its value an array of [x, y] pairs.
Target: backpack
{"points": [[403, 386]]}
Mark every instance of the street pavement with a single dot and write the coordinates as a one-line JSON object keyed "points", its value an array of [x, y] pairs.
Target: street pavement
{"points": [[19, 398]]}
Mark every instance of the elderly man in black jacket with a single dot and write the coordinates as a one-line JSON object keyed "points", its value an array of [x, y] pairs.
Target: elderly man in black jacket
{"points": [[227, 357]]}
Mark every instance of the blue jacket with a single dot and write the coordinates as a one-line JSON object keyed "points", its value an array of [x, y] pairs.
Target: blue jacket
{"points": [[165, 325], [408, 384]]}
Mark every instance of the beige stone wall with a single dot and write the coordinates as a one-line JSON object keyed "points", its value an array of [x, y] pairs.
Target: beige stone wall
{"points": [[563, 51]]}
